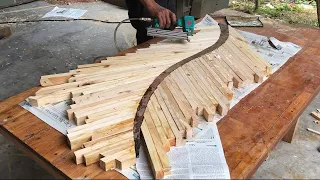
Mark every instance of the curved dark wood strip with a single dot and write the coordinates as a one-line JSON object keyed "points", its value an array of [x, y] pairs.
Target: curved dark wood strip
{"points": [[224, 34]]}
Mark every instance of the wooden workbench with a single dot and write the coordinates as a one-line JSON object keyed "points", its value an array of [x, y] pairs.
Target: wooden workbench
{"points": [[248, 133]]}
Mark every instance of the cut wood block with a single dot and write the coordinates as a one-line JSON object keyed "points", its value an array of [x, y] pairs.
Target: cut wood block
{"points": [[50, 99], [159, 147], [194, 120], [101, 134], [113, 101], [163, 120], [60, 87], [202, 100], [247, 54], [109, 160], [153, 155], [169, 118], [157, 132], [208, 114], [187, 91], [173, 107], [230, 53], [101, 82], [113, 97], [125, 84], [109, 93], [236, 68], [94, 156], [106, 141], [95, 141], [215, 79], [77, 138], [97, 124], [201, 81], [55, 79], [220, 70], [223, 103], [316, 115], [176, 101], [126, 161], [107, 114], [188, 130], [201, 87], [84, 116], [106, 164], [258, 59], [181, 100], [131, 63], [237, 81], [258, 75]]}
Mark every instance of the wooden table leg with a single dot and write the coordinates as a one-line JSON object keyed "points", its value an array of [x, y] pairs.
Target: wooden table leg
{"points": [[289, 136]]}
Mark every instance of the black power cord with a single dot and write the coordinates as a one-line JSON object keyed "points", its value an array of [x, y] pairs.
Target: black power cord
{"points": [[59, 20], [95, 20]]}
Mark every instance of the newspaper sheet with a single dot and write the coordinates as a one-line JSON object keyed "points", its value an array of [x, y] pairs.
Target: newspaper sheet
{"points": [[54, 115], [201, 158], [65, 12]]}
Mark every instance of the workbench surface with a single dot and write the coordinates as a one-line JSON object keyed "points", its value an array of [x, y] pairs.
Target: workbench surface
{"points": [[249, 131]]}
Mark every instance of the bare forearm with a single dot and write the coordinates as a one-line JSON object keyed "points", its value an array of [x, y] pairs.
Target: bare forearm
{"points": [[150, 5], [147, 3]]}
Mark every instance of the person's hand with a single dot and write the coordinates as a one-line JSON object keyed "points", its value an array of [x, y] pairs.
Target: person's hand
{"points": [[165, 16]]}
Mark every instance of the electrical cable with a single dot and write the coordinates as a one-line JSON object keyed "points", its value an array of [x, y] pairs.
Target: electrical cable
{"points": [[123, 21], [96, 20], [58, 20]]}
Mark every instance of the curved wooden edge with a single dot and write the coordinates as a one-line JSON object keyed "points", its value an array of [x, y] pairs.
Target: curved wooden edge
{"points": [[224, 34]]}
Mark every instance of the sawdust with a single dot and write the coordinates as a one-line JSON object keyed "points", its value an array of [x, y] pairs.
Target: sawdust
{"points": [[68, 1]]}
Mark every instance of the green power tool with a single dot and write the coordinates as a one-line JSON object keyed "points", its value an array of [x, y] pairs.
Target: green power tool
{"points": [[186, 23]]}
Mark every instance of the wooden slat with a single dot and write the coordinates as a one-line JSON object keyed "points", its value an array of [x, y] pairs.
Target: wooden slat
{"points": [[163, 120], [109, 160], [94, 156], [157, 132], [152, 153], [102, 142], [169, 117]]}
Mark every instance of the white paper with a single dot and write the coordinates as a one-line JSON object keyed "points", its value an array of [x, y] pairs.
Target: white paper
{"points": [[276, 57], [54, 115], [65, 12], [129, 173], [201, 158], [207, 21], [142, 164]]}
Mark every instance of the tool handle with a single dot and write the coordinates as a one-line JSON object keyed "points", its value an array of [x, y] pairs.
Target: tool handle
{"points": [[157, 25]]}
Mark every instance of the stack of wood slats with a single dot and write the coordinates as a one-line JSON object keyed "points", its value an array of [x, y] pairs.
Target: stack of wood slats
{"points": [[106, 95]]}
